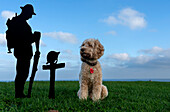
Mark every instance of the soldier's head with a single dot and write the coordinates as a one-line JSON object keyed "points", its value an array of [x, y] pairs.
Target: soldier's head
{"points": [[27, 11]]}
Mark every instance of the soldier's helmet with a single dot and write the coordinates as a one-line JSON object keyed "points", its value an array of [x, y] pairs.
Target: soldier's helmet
{"points": [[52, 57], [28, 8]]}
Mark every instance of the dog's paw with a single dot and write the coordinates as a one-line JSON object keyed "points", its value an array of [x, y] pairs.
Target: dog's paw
{"points": [[82, 97], [95, 99]]}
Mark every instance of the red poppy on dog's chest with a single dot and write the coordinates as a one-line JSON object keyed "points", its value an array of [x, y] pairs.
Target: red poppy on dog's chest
{"points": [[91, 70]]}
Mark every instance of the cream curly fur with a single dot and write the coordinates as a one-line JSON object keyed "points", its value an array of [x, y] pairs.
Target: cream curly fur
{"points": [[91, 83]]}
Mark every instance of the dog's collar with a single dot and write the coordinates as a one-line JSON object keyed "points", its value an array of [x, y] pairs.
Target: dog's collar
{"points": [[89, 63]]}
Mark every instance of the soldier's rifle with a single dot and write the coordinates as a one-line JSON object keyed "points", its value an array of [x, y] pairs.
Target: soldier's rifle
{"points": [[37, 35]]}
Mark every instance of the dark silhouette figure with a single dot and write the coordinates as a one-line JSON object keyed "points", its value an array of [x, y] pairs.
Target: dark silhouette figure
{"points": [[20, 37], [52, 58]]}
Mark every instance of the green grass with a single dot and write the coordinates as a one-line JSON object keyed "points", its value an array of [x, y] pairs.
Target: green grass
{"points": [[123, 96]]}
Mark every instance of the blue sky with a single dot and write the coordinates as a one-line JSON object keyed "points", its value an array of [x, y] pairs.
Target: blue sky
{"points": [[134, 33]]}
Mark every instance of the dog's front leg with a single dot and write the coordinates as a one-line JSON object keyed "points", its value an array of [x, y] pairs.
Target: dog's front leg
{"points": [[83, 91], [96, 92]]}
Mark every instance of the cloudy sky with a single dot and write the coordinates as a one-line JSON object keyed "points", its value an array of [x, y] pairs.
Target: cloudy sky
{"points": [[135, 35]]}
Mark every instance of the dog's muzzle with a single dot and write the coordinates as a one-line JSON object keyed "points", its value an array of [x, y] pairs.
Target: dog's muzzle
{"points": [[84, 54]]}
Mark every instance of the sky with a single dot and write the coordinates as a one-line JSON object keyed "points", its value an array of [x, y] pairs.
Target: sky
{"points": [[135, 35]]}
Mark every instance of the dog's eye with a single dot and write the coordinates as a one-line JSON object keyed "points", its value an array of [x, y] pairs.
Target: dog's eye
{"points": [[90, 45]]}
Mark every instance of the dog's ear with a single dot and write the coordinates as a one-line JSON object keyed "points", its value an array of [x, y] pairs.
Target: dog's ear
{"points": [[100, 49]]}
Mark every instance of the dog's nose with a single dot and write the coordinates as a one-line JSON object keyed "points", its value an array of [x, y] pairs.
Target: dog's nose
{"points": [[82, 49]]}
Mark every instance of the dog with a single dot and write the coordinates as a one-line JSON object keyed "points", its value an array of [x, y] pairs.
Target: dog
{"points": [[90, 77]]}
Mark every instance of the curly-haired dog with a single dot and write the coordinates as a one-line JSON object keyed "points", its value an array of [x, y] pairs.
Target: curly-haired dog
{"points": [[90, 77]]}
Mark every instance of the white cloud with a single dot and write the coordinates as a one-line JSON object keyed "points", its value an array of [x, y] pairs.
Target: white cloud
{"points": [[112, 20], [153, 30], [42, 43], [121, 56], [112, 32], [67, 51], [2, 39], [141, 59], [63, 36], [128, 17], [154, 50], [7, 14], [155, 57], [157, 51], [124, 58]]}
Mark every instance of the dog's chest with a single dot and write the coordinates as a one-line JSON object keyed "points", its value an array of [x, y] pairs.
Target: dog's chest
{"points": [[92, 73]]}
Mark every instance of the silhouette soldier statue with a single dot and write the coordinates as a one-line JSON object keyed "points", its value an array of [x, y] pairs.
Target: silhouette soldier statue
{"points": [[20, 37]]}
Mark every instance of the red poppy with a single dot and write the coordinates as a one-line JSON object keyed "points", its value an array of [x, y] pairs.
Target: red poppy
{"points": [[91, 70]]}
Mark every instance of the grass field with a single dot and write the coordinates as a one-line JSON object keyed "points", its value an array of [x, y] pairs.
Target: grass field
{"points": [[123, 96]]}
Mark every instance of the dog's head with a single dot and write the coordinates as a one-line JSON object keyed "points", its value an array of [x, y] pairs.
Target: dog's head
{"points": [[91, 49]]}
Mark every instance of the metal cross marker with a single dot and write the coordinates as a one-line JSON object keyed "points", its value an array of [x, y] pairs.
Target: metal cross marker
{"points": [[53, 65]]}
